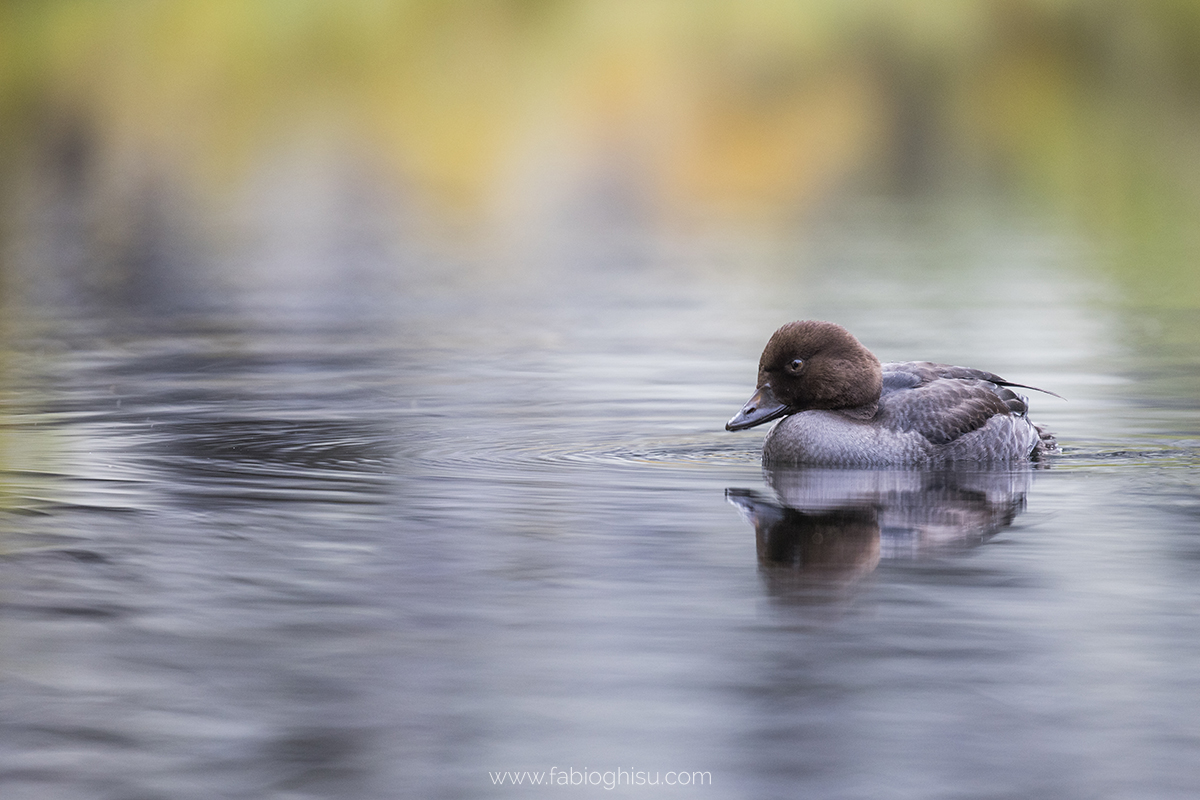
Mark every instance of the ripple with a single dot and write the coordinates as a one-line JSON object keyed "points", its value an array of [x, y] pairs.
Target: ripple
{"points": [[450, 454], [680, 452], [686, 452], [308, 444], [1185, 453]]}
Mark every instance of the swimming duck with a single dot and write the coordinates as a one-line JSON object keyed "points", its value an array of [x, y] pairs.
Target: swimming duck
{"points": [[841, 407]]}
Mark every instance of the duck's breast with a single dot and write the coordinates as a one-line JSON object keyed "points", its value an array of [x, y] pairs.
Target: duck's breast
{"points": [[833, 439]]}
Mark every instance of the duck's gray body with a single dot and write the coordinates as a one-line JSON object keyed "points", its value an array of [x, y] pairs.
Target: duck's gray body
{"points": [[927, 414], [841, 407]]}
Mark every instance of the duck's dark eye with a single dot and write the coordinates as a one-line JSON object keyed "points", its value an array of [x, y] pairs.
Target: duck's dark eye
{"points": [[795, 365]]}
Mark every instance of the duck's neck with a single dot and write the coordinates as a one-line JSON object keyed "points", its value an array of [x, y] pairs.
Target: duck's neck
{"points": [[863, 412]]}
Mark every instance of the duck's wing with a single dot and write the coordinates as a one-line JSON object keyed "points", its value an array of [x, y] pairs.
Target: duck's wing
{"points": [[943, 402], [910, 374]]}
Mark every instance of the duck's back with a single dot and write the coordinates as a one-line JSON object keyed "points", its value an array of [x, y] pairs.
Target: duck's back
{"points": [[927, 413]]}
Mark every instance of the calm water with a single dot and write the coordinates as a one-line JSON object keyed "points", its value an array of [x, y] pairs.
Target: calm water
{"points": [[383, 539]]}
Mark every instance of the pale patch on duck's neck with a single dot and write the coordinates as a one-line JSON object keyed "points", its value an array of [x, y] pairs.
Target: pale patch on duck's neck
{"points": [[864, 412]]}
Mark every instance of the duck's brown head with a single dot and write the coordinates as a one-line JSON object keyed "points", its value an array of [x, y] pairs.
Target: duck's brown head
{"points": [[810, 365]]}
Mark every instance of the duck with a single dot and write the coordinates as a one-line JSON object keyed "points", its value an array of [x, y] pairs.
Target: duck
{"points": [[837, 405]]}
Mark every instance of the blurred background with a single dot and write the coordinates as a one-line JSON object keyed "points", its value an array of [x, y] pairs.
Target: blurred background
{"points": [[150, 152]]}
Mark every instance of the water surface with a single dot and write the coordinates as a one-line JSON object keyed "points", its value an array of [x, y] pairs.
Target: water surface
{"points": [[349, 543]]}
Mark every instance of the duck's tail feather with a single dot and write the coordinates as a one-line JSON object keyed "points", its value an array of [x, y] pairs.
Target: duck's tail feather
{"points": [[1032, 388]]}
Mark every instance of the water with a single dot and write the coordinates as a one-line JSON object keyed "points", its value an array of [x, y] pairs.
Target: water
{"points": [[382, 542]]}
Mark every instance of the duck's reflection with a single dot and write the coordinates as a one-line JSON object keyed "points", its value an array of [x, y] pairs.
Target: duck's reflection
{"points": [[828, 527]]}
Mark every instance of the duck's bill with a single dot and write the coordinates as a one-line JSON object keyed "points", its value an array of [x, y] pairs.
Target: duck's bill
{"points": [[762, 407]]}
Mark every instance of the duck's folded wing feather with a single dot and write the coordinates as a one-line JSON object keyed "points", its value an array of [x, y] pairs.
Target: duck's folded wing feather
{"points": [[942, 402], [909, 374]]}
